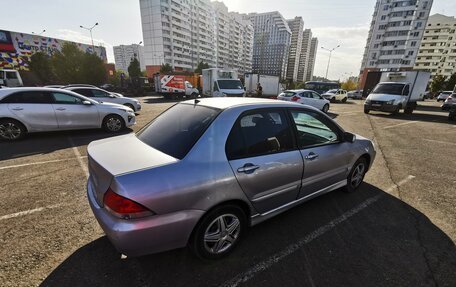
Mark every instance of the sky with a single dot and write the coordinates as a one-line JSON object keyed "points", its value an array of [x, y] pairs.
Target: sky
{"points": [[333, 22]]}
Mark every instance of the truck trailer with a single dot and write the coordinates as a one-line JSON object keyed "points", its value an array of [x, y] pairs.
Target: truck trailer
{"points": [[270, 85], [221, 83]]}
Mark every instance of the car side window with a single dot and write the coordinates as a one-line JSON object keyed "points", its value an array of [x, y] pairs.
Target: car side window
{"points": [[11, 75], [259, 132], [313, 130], [61, 98], [99, 94], [316, 96], [84, 92], [31, 97]]}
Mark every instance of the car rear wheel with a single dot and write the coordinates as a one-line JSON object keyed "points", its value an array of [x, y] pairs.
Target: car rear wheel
{"points": [[113, 123], [356, 175], [325, 108], [344, 100], [12, 130], [218, 232], [333, 100]]}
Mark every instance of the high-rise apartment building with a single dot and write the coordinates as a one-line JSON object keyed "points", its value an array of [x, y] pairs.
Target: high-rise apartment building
{"points": [[437, 53], [124, 54], [312, 58], [395, 35], [272, 39], [296, 26], [183, 33], [305, 55]]}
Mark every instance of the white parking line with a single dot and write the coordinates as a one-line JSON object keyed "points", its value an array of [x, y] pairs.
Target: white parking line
{"points": [[401, 124], [441, 142], [38, 163], [249, 274], [27, 212], [78, 156]]}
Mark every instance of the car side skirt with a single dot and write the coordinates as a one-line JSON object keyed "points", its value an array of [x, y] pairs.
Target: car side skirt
{"points": [[260, 217]]}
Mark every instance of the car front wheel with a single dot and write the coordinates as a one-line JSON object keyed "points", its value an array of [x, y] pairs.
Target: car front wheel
{"points": [[113, 123], [11, 130], [356, 175], [218, 232], [325, 108]]}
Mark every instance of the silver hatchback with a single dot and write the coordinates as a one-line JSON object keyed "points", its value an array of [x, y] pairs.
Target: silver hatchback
{"points": [[205, 170]]}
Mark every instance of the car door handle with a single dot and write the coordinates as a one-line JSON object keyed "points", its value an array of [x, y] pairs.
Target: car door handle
{"points": [[311, 156], [248, 168], [60, 109], [17, 109]]}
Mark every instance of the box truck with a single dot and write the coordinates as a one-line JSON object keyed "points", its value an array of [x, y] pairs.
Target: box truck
{"points": [[270, 85], [10, 78], [172, 86], [397, 91], [221, 83]]}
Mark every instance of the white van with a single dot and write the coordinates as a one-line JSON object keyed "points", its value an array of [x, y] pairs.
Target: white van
{"points": [[10, 78]]}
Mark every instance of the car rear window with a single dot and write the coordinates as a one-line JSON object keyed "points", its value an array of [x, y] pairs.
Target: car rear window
{"points": [[176, 130]]}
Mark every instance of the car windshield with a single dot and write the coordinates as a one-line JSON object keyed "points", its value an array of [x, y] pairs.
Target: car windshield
{"points": [[176, 130], [391, 89], [230, 85], [287, 94]]}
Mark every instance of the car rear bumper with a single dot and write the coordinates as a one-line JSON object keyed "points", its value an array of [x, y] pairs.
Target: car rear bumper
{"points": [[137, 237]]}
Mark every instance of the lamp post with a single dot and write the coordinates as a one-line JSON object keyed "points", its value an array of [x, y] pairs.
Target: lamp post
{"points": [[90, 29], [329, 60], [42, 32], [262, 48]]}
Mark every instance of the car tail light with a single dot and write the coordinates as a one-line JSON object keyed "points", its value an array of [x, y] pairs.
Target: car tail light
{"points": [[295, 98], [123, 207]]}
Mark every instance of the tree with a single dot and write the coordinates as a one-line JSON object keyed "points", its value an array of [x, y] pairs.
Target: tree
{"points": [[166, 68], [134, 70], [40, 65], [349, 85], [201, 66], [93, 70], [437, 84], [451, 83]]}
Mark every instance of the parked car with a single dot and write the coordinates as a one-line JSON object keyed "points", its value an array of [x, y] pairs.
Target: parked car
{"points": [[108, 97], [356, 94], [452, 113], [443, 96], [336, 95], [54, 86], [205, 170], [79, 85], [29, 110], [305, 97], [451, 100]]}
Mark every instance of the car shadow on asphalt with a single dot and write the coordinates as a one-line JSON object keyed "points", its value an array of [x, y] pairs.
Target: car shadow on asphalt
{"points": [[421, 117], [352, 243], [160, 100], [44, 143]]}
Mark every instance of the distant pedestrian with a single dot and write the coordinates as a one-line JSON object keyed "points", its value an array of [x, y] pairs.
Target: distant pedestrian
{"points": [[259, 90]]}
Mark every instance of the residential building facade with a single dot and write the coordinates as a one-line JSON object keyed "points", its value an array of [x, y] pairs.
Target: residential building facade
{"points": [[305, 55], [183, 33], [272, 40], [437, 53], [395, 35], [124, 54], [296, 26], [312, 58]]}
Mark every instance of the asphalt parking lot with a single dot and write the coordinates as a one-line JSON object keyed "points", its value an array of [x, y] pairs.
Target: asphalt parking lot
{"points": [[399, 229]]}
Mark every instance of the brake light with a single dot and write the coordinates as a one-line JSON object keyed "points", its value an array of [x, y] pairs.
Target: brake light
{"points": [[123, 207], [295, 98]]}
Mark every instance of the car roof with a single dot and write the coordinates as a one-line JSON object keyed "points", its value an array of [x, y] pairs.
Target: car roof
{"points": [[298, 90], [9, 91], [226, 103]]}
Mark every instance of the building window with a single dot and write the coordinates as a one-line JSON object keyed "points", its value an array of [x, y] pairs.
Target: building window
{"points": [[413, 44]]}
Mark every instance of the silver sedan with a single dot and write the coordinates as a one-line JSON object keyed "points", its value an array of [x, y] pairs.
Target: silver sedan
{"points": [[29, 110], [205, 170]]}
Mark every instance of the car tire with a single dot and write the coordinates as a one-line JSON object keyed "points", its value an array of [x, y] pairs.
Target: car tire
{"points": [[356, 175], [333, 100], [131, 107], [366, 111], [12, 130], [113, 123], [325, 108], [344, 100], [408, 111], [218, 232], [398, 109]]}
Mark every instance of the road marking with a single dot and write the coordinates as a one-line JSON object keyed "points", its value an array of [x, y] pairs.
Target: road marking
{"points": [[249, 274], [27, 212], [349, 113], [401, 124], [441, 142], [78, 156], [38, 163]]}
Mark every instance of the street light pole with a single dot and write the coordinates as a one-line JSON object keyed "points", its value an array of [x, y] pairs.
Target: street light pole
{"points": [[329, 60], [91, 37], [261, 60]]}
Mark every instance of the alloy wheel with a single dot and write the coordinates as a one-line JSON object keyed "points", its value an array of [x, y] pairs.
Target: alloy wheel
{"points": [[114, 124], [222, 233], [10, 131], [357, 175]]}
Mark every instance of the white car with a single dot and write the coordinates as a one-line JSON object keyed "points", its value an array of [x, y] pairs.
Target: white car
{"points": [[101, 95], [305, 97], [29, 110], [336, 95], [355, 94], [443, 96]]}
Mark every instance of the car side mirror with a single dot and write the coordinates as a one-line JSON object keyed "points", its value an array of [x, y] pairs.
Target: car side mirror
{"points": [[349, 137], [87, 103]]}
